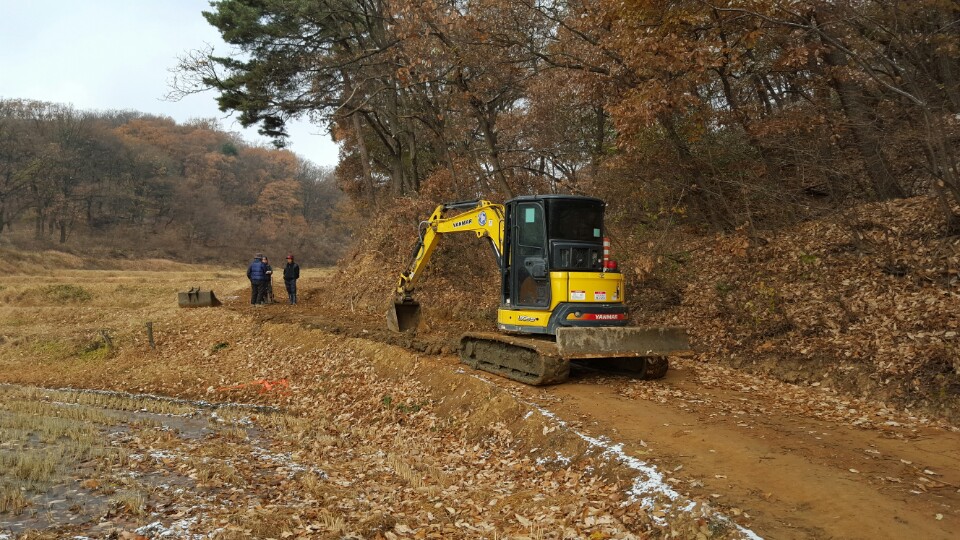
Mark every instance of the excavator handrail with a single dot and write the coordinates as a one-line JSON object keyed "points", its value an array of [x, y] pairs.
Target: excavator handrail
{"points": [[462, 204]]}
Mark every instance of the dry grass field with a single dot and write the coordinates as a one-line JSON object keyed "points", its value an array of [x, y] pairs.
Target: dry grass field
{"points": [[98, 455]]}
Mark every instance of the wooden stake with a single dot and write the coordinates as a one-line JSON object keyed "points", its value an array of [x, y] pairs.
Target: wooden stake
{"points": [[150, 334]]}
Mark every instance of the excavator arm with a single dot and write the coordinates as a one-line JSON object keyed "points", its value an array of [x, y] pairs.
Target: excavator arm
{"points": [[483, 218]]}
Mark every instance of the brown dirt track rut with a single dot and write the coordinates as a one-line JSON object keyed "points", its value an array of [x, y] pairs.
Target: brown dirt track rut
{"points": [[791, 474]]}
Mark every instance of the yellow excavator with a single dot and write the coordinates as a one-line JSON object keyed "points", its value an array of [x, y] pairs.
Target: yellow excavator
{"points": [[561, 297]]}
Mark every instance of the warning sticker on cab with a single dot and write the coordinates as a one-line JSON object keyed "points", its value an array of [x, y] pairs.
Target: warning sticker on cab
{"points": [[578, 295], [600, 295]]}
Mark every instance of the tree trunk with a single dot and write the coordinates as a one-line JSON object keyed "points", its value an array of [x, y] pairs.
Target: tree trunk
{"points": [[490, 137], [947, 63], [364, 159], [599, 140], [945, 165], [865, 135], [688, 164], [396, 170], [760, 88], [745, 121], [412, 179], [742, 116], [41, 219]]}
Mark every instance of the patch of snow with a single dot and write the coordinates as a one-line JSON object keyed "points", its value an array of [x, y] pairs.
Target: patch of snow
{"points": [[561, 459], [159, 455], [286, 461], [649, 484], [178, 529]]}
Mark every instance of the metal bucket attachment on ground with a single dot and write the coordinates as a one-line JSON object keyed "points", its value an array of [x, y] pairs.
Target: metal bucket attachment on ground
{"points": [[197, 298], [620, 342], [403, 316]]}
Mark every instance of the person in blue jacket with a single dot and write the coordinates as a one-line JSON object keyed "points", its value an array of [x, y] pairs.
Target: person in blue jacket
{"points": [[257, 274]]}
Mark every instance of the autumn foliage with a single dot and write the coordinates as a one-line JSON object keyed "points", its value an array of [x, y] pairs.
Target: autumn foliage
{"points": [[128, 184], [764, 113], [772, 169]]}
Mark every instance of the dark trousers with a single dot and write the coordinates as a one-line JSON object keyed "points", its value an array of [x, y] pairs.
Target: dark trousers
{"points": [[291, 289], [257, 289], [267, 297]]}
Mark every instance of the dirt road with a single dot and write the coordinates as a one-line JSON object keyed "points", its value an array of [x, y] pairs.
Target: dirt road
{"points": [[799, 462]]}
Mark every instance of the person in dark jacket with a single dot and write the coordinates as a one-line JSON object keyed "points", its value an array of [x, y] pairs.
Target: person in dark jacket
{"points": [[291, 273], [257, 274], [267, 283]]}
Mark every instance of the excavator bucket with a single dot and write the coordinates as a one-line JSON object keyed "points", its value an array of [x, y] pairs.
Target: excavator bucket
{"points": [[403, 316], [621, 342], [197, 298]]}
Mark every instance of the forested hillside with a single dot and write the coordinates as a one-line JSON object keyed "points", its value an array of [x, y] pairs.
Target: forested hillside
{"points": [[716, 114], [127, 184], [709, 115]]}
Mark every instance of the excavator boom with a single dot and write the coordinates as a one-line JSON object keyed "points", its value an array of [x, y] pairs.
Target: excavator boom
{"points": [[483, 218]]}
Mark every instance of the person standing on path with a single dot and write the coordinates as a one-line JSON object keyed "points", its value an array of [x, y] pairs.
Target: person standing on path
{"points": [[257, 274], [267, 297], [291, 273]]}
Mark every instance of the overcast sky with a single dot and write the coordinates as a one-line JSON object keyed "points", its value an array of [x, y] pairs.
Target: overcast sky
{"points": [[117, 54]]}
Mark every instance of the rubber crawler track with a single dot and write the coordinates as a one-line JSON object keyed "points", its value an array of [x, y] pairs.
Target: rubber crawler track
{"points": [[527, 360], [537, 362]]}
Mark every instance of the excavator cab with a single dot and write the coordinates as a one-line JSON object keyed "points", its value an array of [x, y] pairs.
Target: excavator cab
{"points": [[548, 233], [555, 272]]}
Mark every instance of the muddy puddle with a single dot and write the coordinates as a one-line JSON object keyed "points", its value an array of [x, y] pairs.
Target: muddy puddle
{"points": [[101, 462]]}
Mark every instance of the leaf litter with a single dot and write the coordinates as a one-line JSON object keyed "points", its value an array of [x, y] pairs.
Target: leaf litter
{"points": [[354, 449]]}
